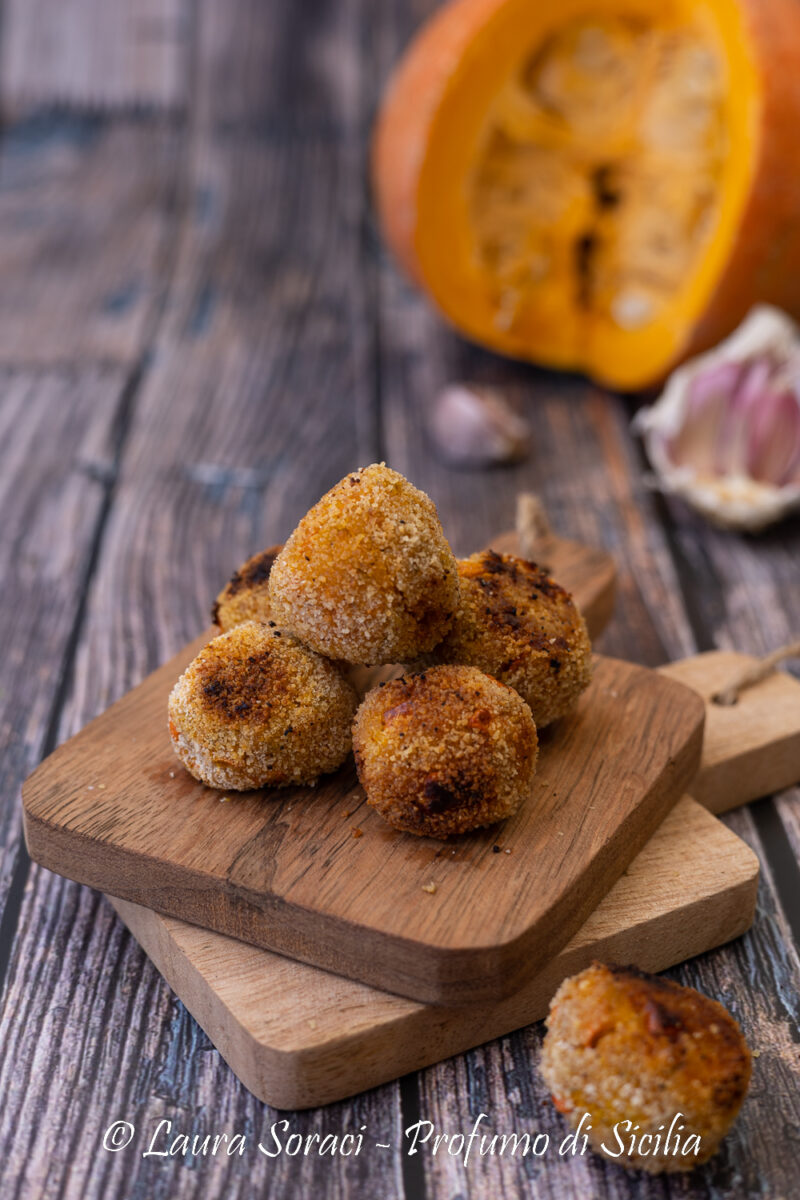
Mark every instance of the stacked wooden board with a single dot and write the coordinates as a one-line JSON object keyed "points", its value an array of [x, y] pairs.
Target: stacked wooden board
{"points": [[432, 972]]}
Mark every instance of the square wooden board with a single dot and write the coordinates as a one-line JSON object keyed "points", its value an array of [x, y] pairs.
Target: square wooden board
{"points": [[112, 808], [299, 1037]]}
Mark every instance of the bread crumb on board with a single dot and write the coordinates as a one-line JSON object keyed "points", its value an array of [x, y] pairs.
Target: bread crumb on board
{"points": [[429, 887]]}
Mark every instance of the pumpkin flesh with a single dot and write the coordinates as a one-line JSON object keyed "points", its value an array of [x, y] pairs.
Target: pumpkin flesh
{"points": [[583, 176]]}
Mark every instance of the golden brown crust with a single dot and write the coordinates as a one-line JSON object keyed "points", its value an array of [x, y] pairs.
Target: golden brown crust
{"points": [[516, 623], [626, 1046], [256, 708], [367, 576], [444, 751], [245, 596]]}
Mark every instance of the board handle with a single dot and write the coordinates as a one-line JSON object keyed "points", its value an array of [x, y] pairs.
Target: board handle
{"points": [[750, 748]]}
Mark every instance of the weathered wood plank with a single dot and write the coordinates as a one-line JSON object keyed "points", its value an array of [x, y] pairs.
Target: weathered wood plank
{"points": [[789, 810], [259, 317], [84, 238], [108, 1041], [597, 494], [179, 525], [502, 1080], [256, 400], [588, 471], [288, 72], [57, 433], [105, 53], [744, 592], [744, 589]]}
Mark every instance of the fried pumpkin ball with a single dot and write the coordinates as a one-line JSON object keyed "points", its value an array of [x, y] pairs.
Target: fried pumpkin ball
{"points": [[624, 1046], [367, 576], [519, 625], [256, 708], [445, 751], [245, 596]]}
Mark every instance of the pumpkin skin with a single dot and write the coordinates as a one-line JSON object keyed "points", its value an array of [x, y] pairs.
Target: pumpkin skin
{"points": [[605, 186]]}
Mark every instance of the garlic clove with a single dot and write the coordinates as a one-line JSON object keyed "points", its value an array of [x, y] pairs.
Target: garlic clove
{"points": [[774, 455], [733, 447], [695, 441], [725, 433], [474, 426]]}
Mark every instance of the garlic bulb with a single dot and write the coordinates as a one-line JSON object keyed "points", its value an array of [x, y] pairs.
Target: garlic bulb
{"points": [[475, 426], [725, 433]]}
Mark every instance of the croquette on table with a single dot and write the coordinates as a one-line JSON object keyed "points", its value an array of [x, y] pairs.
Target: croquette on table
{"points": [[245, 596], [626, 1046], [517, 624], [445, 751], [367, 576], [257, 708]]}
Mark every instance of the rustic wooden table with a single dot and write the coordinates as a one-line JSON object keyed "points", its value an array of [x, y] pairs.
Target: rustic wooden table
{"points": [[200, 333]]}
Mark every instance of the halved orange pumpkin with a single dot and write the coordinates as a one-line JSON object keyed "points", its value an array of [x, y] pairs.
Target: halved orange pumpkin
{"points": [[599, 185]]}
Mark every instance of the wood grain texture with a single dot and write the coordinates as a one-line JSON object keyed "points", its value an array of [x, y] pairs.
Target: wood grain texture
{"points": [[85, 214], [671, 600], [299, 1037], [229, 445], [651, 623], [51, 516], [88, 1029], [758, 738], [501, 1078], [107, 53], [114, 1043], [110, 809], [742, 595], [586, 572]]}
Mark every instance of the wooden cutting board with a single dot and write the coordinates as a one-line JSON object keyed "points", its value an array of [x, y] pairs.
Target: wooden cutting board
{"points": [[299, 1037], [755, 742], [282, 870]]}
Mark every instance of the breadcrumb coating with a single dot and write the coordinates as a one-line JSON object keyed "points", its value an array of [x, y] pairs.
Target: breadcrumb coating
{"points": [[367, 576], [256, 708], [626, 1046], [444, 751], [245, 596], [519, 625]]}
